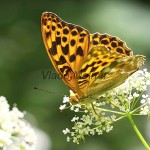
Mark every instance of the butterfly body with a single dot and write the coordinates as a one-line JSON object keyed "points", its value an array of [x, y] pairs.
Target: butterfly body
{"points": [[89, 64]]}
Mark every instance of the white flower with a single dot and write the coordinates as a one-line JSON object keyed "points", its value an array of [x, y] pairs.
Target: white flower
{"points": [[112, 106], [86, 111], [66, 131], [76, 109], [5, 138], [62, 107], [135, 94], [15, 131], [144, 110], [4, 106], [68, 139], [66, 99], [130, 97], [145, 96], [143, 101], [75, 119]]}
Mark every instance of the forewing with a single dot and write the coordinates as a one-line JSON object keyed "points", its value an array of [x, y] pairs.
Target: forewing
{"points": [[67, 45]]}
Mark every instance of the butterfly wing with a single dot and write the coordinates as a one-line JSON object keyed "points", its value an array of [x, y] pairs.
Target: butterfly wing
{"points": [[111, 42], [96, 60], [109, 49], [104, 69], [67, 45]]}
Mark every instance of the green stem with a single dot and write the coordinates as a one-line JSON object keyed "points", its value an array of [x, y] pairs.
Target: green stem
{"points": [[138, 132], [116, 112]]}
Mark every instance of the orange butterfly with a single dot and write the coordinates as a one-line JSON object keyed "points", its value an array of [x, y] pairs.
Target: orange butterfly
{"points": [[89, 64]]}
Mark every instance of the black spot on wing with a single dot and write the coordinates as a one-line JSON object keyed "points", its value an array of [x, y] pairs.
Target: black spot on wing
{"points": [[44, 21], [128, 52], [95, 42], [65, 31], [53, 28], [72, 58], [61, 61], [104, 42], [83, 34], [114, 44], [59, 26], [99, 62], [95, 36], [94, 74], [74, 33], [65, 49], [71, 26], [63, 68], [120, 43], [79, 29], [53, 49], [113, 39], [54, 20], [58, 33], [93, 69], [79, 51], [64, 39], [119, 50], [81, 40], [58, 40], [48, 26], [72, 42], [87, 66], [102, 37], [85, 76], [104, 63], [63, 24], [48, 34]]}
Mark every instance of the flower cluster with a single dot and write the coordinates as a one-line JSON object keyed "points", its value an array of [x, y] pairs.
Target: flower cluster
{"points": [[130, 98], [14, 130]]}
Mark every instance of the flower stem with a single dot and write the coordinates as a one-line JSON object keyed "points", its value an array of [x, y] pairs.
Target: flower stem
{"points": [[138, 132], [108, 110]]}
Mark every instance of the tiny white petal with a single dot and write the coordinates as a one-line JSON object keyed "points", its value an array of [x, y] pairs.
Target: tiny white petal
{"points": [[68, 139], [76, 109], [62, 107], [66, 131], [143, 101], [75, 119], [65, 99], [144, 110], [135, 94]]}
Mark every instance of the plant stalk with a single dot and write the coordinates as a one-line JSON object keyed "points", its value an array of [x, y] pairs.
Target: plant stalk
{"points": [[138, 132]]}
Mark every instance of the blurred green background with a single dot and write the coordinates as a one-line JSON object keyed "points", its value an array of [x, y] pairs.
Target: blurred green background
{"points": [[23, 58]]}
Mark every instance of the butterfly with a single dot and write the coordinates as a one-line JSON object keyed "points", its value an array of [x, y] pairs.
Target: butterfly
{"points": [[89, 64]]}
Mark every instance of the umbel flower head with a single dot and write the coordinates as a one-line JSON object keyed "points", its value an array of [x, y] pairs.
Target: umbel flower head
{"points": [[126, 100], [14, 130]]}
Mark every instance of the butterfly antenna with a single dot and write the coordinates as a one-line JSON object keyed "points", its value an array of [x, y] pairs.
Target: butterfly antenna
{"points": [[36, 88]]}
